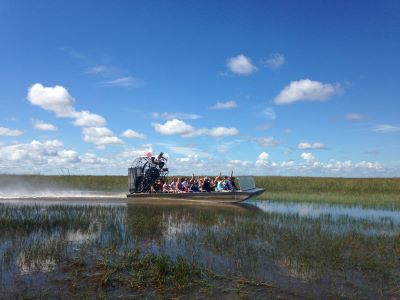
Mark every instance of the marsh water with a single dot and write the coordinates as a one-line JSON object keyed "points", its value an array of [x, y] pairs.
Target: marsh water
{"points": [[54, 246]]}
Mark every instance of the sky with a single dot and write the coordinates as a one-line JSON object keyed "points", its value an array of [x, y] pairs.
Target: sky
{"points": [[304, 88]]}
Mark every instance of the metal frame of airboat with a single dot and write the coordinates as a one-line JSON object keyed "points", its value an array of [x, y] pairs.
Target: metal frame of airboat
{"points": [[214, 197]]}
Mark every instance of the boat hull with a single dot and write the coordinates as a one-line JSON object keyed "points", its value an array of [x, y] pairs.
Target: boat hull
{"points": [[213, 197]]}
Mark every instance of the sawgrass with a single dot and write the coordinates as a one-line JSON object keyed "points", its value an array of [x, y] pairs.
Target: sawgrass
{"points": [[379, 192]]}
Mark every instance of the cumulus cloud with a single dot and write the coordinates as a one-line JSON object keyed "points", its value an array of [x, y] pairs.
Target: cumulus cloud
{"points": [[4, 131], [55, 99], [100, 136], [386, 128], [268, 141], [41, 125], [239, 163], [175, 115], [38, 153], [132, 153], [132, 134], [262, 159], [307, 156], [174, 127], [305, 145], [306, 90], [179, 127], [275, 61], [224, 105], [87, 119], [48, 157], [241, 65], [355, 117]]}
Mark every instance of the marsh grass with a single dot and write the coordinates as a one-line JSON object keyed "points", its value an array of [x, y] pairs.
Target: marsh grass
{"points": [[378, 192], [172, 250]]}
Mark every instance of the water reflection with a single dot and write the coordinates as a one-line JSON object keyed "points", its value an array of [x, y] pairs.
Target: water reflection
{"points": [[318, 210]]}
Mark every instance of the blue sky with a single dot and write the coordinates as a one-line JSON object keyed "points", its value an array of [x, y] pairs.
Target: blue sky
{"points": [[258, 87]]}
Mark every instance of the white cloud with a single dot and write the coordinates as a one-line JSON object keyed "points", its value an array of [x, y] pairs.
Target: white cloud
{"points": [[263, 156], [187, 150], [132, 153], [306, 145], [58, 100], [131, 134], [9, 132], [385, 128], [48, 157], [269, 113], [306, 90], [100, 69], [355, 117], [40, 125], [307, 156], [288, 163], [217, 131], [224, 105], [55, 99], [87, 119], [268, 141], [175, 115], [179, 127], [174, 127], [239, 163], [127, 81], [262, 159], [100, 136], [241, 65], [38, 153], [275, 61]]}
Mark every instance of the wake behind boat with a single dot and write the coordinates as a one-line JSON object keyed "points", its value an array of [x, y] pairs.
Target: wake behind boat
{"points": [[148, 181]]}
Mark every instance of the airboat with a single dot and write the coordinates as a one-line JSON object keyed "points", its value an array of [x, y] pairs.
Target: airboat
{"points": [[147, 170]]}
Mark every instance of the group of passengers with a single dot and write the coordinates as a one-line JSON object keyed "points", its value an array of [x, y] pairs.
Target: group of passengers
{"points": [[195, 185]]}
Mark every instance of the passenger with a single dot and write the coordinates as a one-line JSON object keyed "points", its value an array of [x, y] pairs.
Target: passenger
{"points": [[227, 184], [206, 185], [166, 188], [185, 184], [179, 185], [194, 187], [232, 182], [159, 160], [220, 184], [158, 186], [200, 184], [173, 185]]}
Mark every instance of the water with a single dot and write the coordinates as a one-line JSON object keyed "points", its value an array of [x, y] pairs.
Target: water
{"points": [[303, 250], [318, 210]]}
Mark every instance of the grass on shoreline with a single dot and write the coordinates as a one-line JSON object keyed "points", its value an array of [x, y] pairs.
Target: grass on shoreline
{"points": [[382, 192]]}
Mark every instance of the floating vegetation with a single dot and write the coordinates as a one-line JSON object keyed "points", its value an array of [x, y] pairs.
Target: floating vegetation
{"points": [[166, 251]]}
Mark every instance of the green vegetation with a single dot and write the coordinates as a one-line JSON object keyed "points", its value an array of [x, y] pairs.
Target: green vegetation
{"points": [[195, 251], [380, 192]]}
